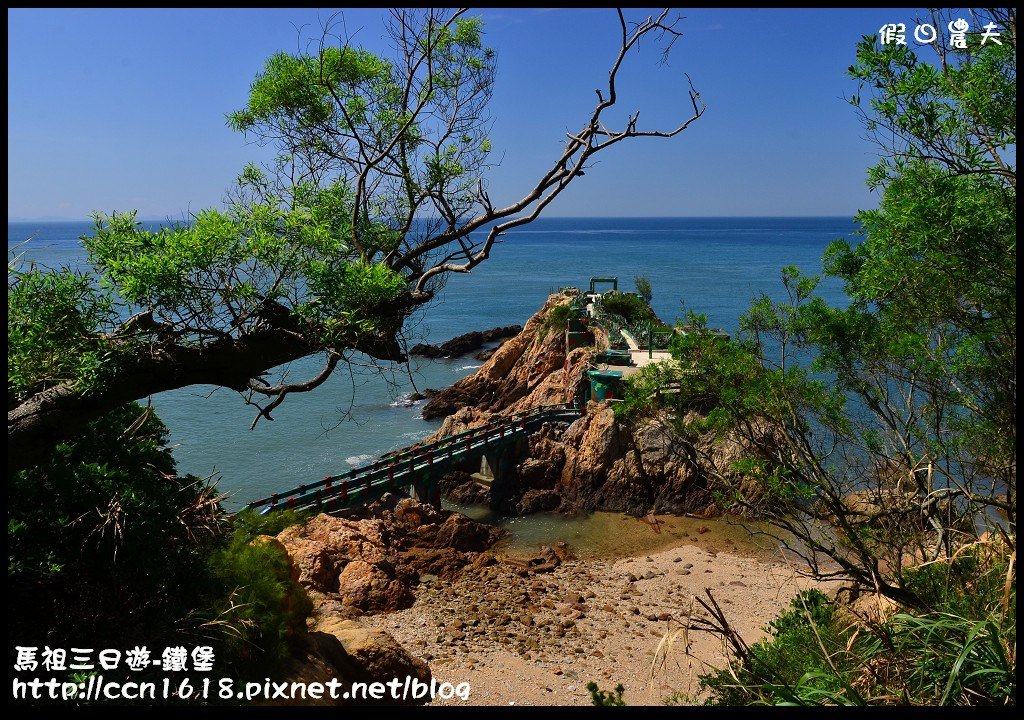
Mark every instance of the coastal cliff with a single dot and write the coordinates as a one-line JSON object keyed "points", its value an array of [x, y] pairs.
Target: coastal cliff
{"points": [[594, 463]]}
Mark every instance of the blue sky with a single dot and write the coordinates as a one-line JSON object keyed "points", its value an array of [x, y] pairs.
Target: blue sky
{"points": [[124, 109]]}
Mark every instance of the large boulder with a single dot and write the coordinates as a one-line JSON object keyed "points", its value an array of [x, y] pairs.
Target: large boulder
{"points": [[345, 651], [373, 588], [366, 564], [370, 654]]}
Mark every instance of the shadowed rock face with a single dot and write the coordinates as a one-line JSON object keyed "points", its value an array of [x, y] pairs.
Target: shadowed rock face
{"points": [[346, 651], [596, 463]]}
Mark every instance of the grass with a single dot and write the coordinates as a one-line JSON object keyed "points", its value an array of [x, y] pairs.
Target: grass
{"points": [[961, 652]]}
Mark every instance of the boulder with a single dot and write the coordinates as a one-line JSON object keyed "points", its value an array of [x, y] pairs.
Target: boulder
{"points": [[365, 564], [371, 588], [346, 651], [371, 655]]}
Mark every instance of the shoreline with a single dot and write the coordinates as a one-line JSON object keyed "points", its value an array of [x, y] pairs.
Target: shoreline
{"points": [[538, 640]]}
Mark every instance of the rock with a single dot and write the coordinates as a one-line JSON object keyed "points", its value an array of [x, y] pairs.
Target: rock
{"points": [[375, 654], [515, 373], [534, 501], [346, 651], [369, 588], [461, 533], [371, 563], [460, 487], [464, 344]]}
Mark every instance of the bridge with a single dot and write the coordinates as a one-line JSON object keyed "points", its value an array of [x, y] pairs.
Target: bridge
{"points": [[421, 467]]}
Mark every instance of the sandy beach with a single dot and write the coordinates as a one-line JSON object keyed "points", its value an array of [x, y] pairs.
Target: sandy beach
{"points": [[539, 639]]}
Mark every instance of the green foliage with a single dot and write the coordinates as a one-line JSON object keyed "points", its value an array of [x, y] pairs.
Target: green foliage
{"points": [[787, 667], [53, 320], [247, 525], [264, 608], [890, 423], [108, 547], [216, 275], [643, 286], [558, 318], [106, 524], [958, 110], [628, 307], [602, 698], [962, 652], [421, 113]]}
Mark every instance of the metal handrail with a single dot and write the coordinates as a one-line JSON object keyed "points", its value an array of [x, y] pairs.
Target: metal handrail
{"points": [[359, 485]]}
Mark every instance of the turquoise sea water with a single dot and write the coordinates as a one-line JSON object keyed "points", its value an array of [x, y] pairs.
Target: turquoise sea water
{"points": [[712, 265]]}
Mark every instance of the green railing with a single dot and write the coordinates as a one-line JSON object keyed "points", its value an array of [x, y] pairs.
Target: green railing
{"points": [[361, 485]]}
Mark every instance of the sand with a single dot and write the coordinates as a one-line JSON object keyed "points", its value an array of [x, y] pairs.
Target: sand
{"points": [[538, 640]]}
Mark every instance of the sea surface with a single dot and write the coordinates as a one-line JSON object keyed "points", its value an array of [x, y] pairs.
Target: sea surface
{"points": [[714, 266]]}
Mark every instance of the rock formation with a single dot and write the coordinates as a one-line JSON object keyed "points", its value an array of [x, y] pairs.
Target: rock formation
{"points": [[344, 650], [597, 463], [463, 344], [369, 564], [529, 369]]}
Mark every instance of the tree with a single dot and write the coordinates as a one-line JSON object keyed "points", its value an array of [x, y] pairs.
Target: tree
{"points": [[643, 286], [884, 433], [377, 194]]}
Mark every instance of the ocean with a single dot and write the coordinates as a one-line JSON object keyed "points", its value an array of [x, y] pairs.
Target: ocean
{"points": [[714, 266]]}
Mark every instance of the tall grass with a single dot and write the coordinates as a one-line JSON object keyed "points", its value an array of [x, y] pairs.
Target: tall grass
{"points": [[961, 652]]}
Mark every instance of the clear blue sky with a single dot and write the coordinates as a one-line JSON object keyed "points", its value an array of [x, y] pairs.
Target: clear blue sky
{"points": [[124, 109]]}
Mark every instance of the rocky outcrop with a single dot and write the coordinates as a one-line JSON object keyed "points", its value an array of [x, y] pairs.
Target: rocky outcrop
{"points": [[463, 344], [370, 564], [597, 463], [642, 468], [527, 370]]}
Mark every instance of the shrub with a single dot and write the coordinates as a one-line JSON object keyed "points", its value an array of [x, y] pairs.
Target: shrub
{"points": [[630, 308], [109, 548], [262, 608], [961, 652], [107, 526]]}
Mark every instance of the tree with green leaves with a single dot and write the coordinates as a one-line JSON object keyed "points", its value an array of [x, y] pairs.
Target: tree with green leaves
{"points": [[643, 286], [378, 193], [884, 432]]}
